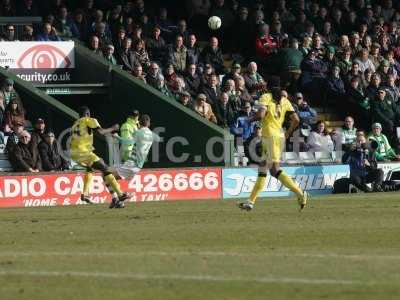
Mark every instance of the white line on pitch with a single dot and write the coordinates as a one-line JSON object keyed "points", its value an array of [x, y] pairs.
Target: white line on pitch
{"points": [[205, 253], [184, 277]]}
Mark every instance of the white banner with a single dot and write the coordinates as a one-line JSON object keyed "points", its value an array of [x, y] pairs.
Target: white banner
{"points": [[37, 55]]}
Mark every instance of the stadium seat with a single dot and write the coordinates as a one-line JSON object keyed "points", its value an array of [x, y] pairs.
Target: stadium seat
{"points": [[290, 157], [323, 157], [5, 165], [307, 157]]}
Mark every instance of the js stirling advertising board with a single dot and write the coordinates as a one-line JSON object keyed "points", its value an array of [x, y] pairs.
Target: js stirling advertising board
{"points": [[39, 62], [239, 182], [152, 185]]}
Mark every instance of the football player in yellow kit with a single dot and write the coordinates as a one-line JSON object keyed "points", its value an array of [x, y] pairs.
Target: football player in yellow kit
{"points": [[82, 152], [273, 108]]}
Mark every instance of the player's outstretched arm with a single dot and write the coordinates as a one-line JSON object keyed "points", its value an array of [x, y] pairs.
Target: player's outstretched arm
{"points": [[105, 131], [294, 123]]}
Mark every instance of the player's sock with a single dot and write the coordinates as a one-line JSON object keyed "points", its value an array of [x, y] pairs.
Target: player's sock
{"points": [[290, 184], [258, 186], [87, 179], [111, 191], [110, 180]]}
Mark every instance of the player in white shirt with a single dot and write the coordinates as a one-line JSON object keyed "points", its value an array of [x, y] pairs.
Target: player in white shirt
{"points": [[142, 140]]}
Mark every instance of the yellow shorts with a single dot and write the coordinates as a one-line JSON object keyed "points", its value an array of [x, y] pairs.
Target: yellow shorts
{"points": [[85, 159], [272, 149]]}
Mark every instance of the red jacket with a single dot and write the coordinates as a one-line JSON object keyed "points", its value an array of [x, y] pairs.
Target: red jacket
{"points": [[261, 50]]}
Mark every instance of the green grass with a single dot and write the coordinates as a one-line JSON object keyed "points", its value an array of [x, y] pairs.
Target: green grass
{"points": [[338, 248]]}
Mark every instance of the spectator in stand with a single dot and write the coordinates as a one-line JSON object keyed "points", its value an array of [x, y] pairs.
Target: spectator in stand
{"points": [[307, 115], [153, 74], [14, 113], [265, 44], [177, 54], [125, 57], [243, 127], [363, 166], [7, 93], [94, 45], [65, 27], [234, 98], [81, 24], [372, 89], [140, 53], [364, 62], [118, 39], [313, 73], [255, 83], [156, 46], [211, 89], [171, 78], [243, 32], [9, 35], [384, 70], [375, 55], [50, 154], [108, 55], [392, 89], [224, 111], [348, 133], [385, 112], [193, 51], [289, 61], [355, 72], [24, 157], [345, 63], [334, 87], [212, 55], [319, 139], [183, 31], [48, 34], [37, 135], [384, 152], [27, 8], [185, 100], [235, 70], [162, 87], [27, 35], [7, 8], [138, 73], [13, 139], [242, 91], [101, 31], [358, 103], [305, 45], [192, 80], [204, 109]]}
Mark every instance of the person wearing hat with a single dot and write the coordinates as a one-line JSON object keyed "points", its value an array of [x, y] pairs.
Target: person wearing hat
{"points": [[235, 71], [7, 93], [204, 109], [156, 46], [329, 57], [385, 112], [50, 153], [384, 151], [127, 130], [108, 54], [37, 135], [185, 99]]}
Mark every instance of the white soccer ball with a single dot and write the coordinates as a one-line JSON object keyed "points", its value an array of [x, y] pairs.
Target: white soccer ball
{"points": [[214, 22]]}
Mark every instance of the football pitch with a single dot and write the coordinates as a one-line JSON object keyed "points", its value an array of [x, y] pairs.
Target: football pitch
{"points": [[339, 247]]}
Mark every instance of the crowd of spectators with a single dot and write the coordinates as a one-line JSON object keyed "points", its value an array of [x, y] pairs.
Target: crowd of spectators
{"points": [[337, 54]]}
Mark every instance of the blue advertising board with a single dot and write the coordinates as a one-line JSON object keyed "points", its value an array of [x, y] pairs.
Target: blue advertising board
{"points": [[238, 182]]}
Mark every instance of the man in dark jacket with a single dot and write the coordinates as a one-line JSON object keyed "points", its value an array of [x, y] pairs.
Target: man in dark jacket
{"points": [[24, 157], [38, 133], [126, 58], [212, 54], [363, 166], [50, 154], [224, 111]]}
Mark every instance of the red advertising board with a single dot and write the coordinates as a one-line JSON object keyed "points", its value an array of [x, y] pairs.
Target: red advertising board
{"points": [[152, 185]]}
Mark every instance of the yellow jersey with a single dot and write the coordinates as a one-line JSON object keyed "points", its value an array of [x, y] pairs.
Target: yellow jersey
{"points": [[271, 124], [82, 134]]}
